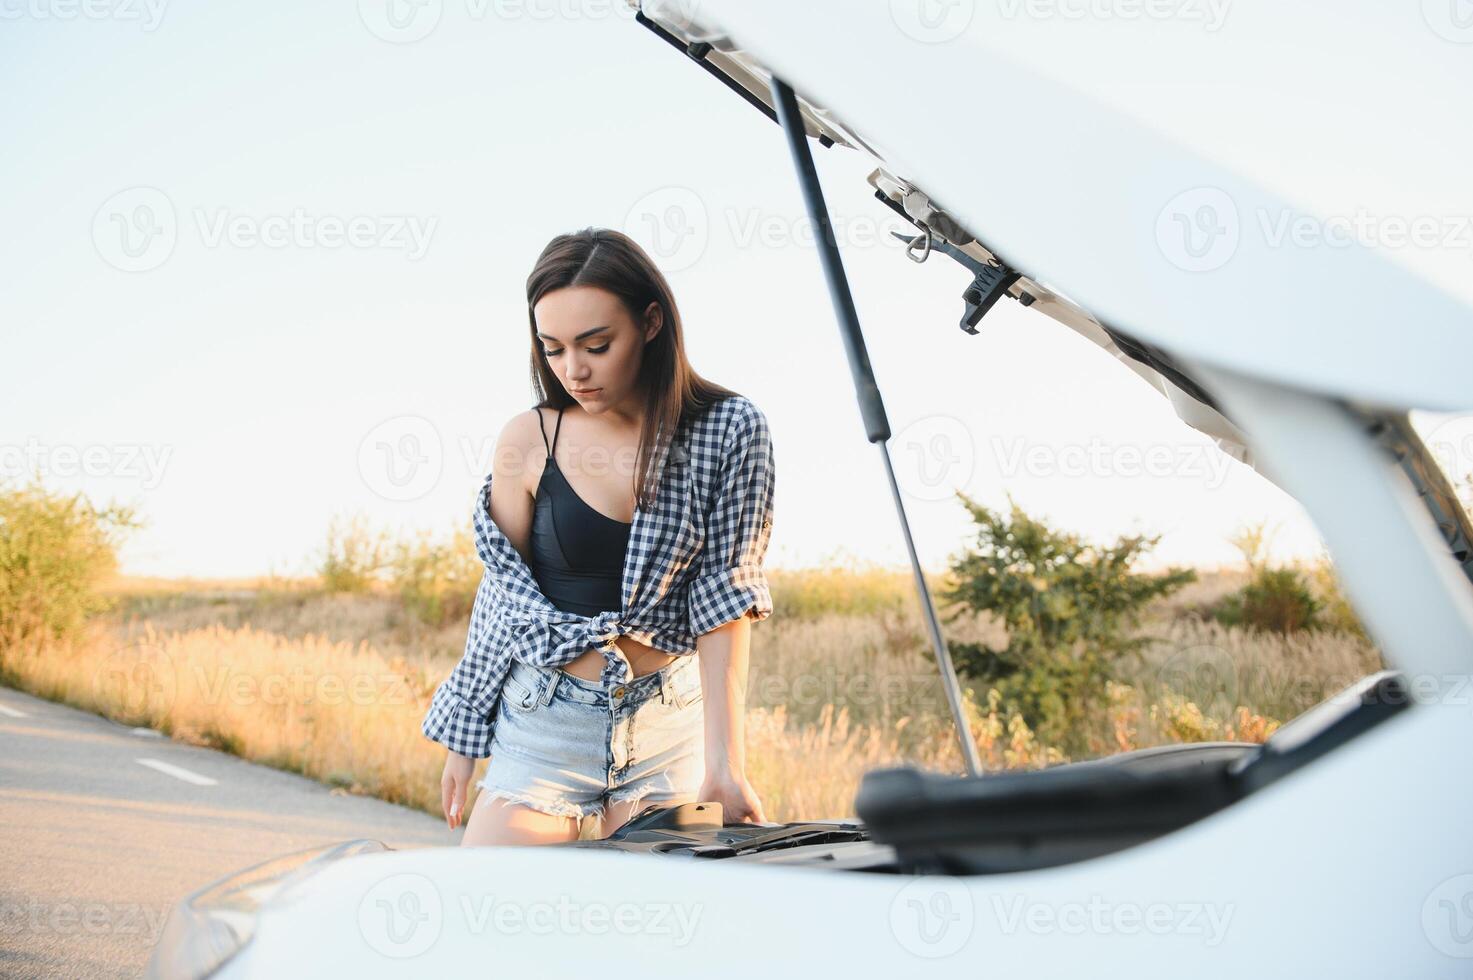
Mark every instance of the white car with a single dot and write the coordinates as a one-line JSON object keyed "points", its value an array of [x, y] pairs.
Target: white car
{"points": [[1340, 848]]}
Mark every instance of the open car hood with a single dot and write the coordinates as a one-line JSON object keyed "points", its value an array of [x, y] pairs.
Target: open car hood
{"points": [[1021, 200]]}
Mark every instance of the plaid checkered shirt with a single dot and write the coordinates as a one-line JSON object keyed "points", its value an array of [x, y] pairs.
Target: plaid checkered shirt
{"points": [[693, 563]]}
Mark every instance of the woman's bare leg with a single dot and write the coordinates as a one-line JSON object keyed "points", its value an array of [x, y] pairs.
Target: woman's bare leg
{"points": [[495, 820]]}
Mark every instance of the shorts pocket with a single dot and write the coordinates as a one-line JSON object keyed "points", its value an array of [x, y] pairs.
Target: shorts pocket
{"points": [[688, 688], [519, 696]]}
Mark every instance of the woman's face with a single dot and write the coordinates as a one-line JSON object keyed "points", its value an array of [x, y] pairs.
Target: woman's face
{"points": [[594, 346]]}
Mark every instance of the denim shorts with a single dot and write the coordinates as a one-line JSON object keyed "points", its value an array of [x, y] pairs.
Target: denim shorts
{"points": [[561, 744]]}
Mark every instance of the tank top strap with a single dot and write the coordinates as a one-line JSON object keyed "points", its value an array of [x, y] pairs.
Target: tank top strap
{"points": [[556, 429], [542, 429]]}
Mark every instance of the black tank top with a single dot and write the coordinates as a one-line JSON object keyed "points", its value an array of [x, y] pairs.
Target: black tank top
{"points": [[577, 552]]}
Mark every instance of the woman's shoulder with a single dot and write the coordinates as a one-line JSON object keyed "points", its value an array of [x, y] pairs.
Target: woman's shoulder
{"points": [[520, 441], [727, 425], [732, 411], [520, 431]]}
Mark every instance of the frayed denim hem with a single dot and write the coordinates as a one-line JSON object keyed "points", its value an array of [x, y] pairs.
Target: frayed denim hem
{"points": [[649, 797], [556, 808], [626, 795]]}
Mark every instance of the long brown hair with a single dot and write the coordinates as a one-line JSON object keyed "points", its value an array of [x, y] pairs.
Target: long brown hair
{"points": [[613, 261]]}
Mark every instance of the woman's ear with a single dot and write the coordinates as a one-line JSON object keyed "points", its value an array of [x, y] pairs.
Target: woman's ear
{"points": [[654, 321]]}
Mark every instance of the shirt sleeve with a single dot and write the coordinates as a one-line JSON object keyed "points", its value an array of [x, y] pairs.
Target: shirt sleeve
{"points": [[459, 715], [730, 581]]}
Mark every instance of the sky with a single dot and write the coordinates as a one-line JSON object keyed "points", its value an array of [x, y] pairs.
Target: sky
{"points": [[264, 268]]}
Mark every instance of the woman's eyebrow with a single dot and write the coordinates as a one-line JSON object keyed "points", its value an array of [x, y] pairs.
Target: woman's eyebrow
{"points": [[586, 333]]}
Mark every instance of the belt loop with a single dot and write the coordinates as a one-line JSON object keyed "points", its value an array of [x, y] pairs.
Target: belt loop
{"points": [[551, 686], [667, 690]]}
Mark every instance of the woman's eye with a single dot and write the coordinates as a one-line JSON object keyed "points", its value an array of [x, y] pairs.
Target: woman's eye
{"points": [[591, 350]]}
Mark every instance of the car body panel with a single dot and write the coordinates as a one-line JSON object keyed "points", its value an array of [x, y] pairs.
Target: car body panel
{"points": [[1071, 190], [1295, 875]]}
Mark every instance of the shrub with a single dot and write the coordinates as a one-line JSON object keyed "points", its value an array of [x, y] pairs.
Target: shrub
{"points": [[1067, 606], [435, 580], [55, 550], [352, 557], [1277, 600]]}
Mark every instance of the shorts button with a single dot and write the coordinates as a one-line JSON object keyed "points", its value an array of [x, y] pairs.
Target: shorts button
{"points": [[618, 692]]}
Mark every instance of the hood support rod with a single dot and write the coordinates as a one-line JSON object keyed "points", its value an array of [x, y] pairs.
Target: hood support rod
{"points": [[871, 407]]}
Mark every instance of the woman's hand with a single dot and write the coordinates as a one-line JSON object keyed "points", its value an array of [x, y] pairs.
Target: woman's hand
{"points": [[454, 785], [739, 802]]}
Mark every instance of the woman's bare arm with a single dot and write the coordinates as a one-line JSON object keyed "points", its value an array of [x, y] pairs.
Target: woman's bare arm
{"points": [[724, 653], [519, 451]]}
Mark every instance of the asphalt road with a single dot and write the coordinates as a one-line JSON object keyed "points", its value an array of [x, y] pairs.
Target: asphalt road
{"points": [[106, 827]]}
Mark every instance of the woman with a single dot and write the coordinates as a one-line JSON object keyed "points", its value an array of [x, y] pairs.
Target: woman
{"points": [[579, 680]]}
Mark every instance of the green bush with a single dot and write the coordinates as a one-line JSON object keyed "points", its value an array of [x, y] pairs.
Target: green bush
{"points": [[437, 581], [1068, 607], [353, 556], [1275, 600], [1280, 600], [55, 551]]}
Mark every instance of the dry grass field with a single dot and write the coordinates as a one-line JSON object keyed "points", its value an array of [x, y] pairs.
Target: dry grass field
{"points": [[842, 680]]}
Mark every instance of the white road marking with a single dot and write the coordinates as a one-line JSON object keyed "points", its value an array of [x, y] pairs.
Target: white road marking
{"points": [[176, 772], [12, 712], [146, 732]]}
